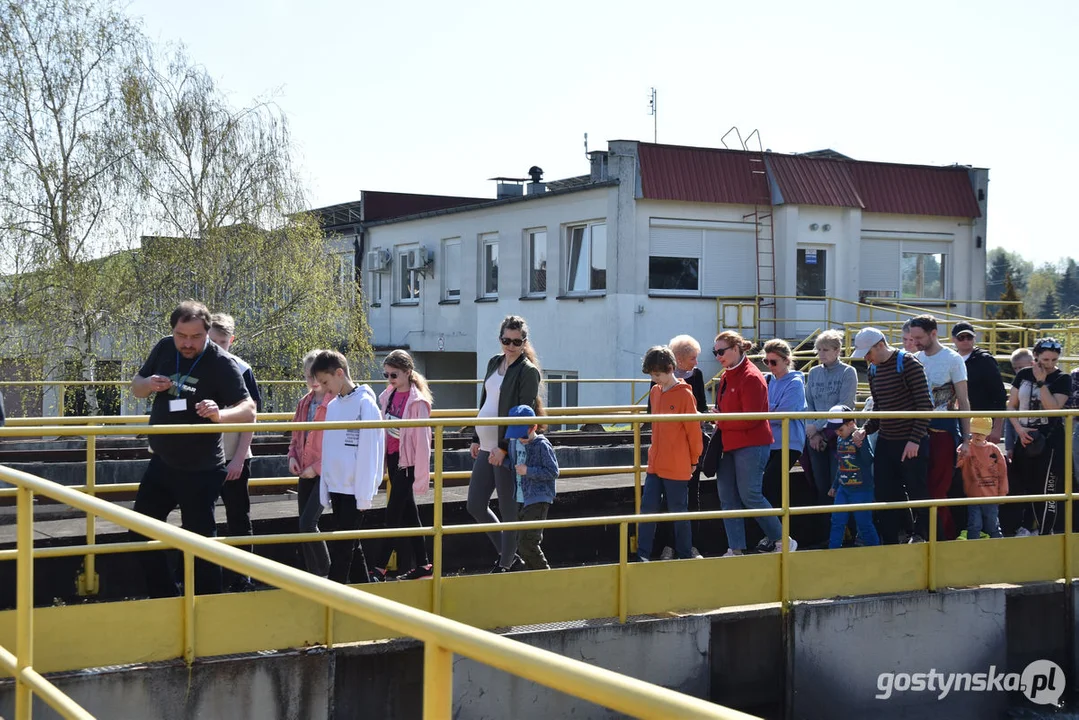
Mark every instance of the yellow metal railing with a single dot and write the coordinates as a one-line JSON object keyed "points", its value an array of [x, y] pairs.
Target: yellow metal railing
{"points": [[441, 637], [740, 582]]}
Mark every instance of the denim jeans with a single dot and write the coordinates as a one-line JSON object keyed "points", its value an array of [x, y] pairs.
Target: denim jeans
{"points": [[739, 480], [863, 518], [983, 516], [677, 492]]}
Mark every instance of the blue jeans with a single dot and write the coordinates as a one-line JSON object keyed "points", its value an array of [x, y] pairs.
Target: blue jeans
{"points": [[863, 518], [677, 492], [979, 516], [739, 480]]}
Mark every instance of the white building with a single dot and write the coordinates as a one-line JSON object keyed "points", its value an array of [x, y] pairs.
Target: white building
{"points": [[659, 240]]}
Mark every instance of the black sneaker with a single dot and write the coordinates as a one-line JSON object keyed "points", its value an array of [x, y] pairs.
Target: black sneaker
{"points": [[240, 585], [499, 569], [766, 545], [517, 563], [416, 573], [376, 576]]}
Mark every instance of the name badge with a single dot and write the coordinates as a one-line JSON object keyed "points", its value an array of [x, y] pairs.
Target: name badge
{"points": [[178, 405]]}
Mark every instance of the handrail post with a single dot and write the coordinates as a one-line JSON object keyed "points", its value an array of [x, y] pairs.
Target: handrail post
{"points": [[24, 602], [189, 608], [437, 682], [636, 477], [1069, 512], [88, 579], [436, 549], [623, 568], [784, 555], [632, 392], [932, 564]]}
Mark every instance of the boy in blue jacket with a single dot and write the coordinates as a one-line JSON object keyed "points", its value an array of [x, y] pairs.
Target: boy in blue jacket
{"points": [[853, 481], [533, 458]]}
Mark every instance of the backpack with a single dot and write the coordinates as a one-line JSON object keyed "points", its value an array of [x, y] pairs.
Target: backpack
{"points": [[898, 364]]}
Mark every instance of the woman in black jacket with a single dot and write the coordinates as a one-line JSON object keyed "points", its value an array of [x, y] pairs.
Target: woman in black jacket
{"points": [[512, 378]]}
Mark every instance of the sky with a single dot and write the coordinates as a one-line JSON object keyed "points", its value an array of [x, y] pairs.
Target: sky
{"points": [[436, 97]]}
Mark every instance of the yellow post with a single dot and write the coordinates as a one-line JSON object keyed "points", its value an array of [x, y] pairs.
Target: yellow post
{"points": [[784, 556], [436, 550], [437, 682], [189, 608], [88, 579], [632, 392], [24, 601], [1069, 512], [623, 568], [932, 565], [329, 627], [636, 478]]}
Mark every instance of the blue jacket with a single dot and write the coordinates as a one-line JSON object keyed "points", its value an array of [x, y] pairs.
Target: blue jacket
{"points": [[538, 484], [787, 394]]}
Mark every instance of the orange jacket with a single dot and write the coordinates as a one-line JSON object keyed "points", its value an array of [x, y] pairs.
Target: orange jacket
{"points": [[985, 471], [676, 446]]}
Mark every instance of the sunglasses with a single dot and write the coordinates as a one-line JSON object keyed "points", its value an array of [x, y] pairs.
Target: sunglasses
{"points": [[771, 363], [389, 375], [515, 342], [720, 351]]}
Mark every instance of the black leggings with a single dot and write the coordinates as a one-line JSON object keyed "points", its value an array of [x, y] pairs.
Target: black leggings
{"points": [[401, 511]]}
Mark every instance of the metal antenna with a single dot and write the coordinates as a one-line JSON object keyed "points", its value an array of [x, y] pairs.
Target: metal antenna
{"points": [[586, 144], [655, 117]]}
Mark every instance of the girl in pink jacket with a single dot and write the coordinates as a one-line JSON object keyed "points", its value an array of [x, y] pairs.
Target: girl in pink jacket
{"points": [[305, 461], [408, 457]]}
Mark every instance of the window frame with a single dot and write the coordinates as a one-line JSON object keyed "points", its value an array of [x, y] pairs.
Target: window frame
{"points": [[567, 257], [943, 261], [484, 241], [400, 257], [563, 390], [345, 276], [448, 269], [527, 278]]}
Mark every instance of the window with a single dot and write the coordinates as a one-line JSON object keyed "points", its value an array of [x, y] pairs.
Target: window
{"points": [[374, 288], [561, 394], [922, 275], [812, 272], [489, 265], [674, 273], [586, 258], [536, 259], [451, 270], [408, 281], [698, 258], [345, 278]]}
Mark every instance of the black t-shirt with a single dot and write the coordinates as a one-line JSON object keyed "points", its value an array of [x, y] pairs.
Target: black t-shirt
{"points": [[212, 376], [1030, 395]]}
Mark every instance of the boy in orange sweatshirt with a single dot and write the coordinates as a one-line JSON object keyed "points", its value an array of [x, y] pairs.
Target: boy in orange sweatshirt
{"points": [[675, 449], [985, 474]]}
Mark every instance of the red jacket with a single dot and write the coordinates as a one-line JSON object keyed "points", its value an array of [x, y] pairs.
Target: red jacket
{"points": [[305, 446], [743, 389]]}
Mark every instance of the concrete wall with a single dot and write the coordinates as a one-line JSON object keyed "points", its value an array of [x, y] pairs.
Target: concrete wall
{"points": [[822, 660]]}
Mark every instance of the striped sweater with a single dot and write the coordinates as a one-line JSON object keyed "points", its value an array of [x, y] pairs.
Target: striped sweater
{"points": [[897, 391]]}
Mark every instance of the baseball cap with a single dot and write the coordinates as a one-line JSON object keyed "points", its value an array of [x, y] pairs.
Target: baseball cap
{"points": [[982, 426], [519, 431], [865, 339], [962, 328], [840, 411]]}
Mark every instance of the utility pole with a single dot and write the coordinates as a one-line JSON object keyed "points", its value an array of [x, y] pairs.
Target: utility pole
{"points": [[655, 120]]}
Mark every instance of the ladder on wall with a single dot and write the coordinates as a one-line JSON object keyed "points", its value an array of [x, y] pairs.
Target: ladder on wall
{"points": [[764, 232]]}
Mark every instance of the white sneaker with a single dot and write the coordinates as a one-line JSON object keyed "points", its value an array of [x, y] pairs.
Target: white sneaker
{"points": [[779, 548], [731, 552], [695, 554], [667, 554], [1023, 532]]}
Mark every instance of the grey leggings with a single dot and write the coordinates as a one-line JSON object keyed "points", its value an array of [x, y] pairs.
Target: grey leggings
{"points": [[486, 478], [315, 555]]}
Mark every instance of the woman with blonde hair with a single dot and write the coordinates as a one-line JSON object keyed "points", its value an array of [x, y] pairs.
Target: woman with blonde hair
{"points": [[830, 383], [408, 460], [746, 444]]}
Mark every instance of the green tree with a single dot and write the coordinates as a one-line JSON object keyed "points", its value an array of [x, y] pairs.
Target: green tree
{"points": [[63, 152], [1049, 308], [1068, 289], [1000, 263], [1011, 311], [1043, 283]]}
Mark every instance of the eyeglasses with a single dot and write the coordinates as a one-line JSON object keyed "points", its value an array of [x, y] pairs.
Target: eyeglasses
{"points": [[515, 342], [389, 375], [772, 363]]}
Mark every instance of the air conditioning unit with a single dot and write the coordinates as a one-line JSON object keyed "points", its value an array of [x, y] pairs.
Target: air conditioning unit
{"points": [[378, 260], [418, 258]]}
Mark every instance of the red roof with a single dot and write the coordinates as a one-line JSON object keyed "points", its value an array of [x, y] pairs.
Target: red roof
{"points": [[670, 172], [380, 205]]}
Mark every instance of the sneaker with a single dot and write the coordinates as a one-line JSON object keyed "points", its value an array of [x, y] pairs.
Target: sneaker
{"points": [[642, 558], [667, 554], [962, 535], [418, 572], [915, 539], [731, 552], [1023, 532], [517, 561], [777, 547], [377, 575], [695, 554], [765, 545], [858, 541], [240, 585]]}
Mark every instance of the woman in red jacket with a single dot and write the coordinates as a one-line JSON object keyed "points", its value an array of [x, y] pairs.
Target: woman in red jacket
{"points": [[746, 444]]}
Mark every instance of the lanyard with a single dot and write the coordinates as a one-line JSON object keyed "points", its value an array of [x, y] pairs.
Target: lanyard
{"points": [[181, 380]]}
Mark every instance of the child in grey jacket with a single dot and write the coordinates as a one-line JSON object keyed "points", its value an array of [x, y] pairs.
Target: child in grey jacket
{"points": [[533, 458]]}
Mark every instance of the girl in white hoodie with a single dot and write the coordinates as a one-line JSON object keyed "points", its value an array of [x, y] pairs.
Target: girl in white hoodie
{"points": [[351, 459], [408, 457]]}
